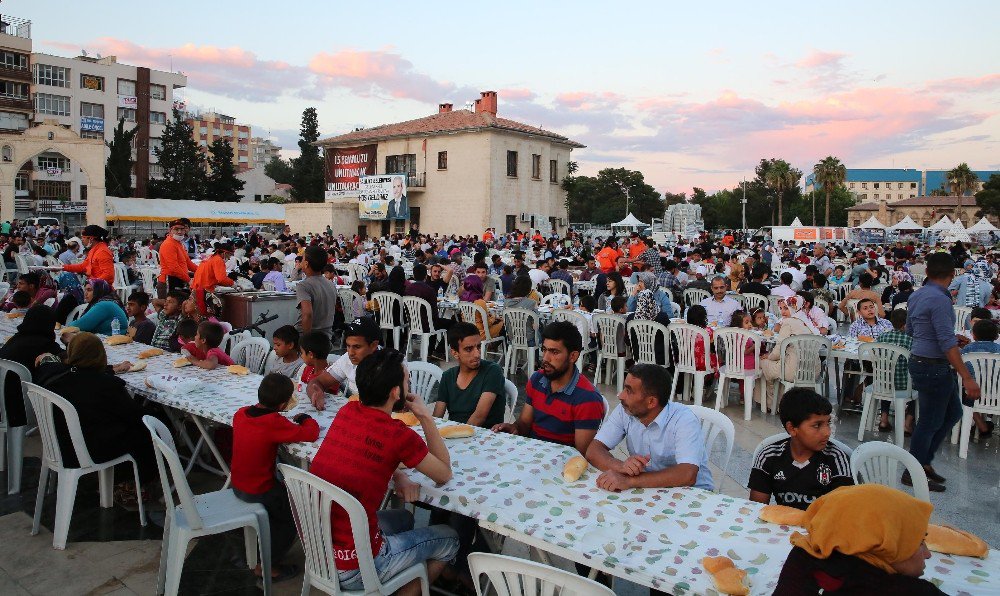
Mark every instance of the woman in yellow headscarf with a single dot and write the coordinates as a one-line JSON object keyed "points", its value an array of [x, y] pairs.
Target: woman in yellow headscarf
{"points": [[735, 278], [865, 539]]}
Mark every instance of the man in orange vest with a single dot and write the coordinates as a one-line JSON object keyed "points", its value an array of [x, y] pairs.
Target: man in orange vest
{"points": [[174, 260], [211, 273], [607, 258], [99, 262]]}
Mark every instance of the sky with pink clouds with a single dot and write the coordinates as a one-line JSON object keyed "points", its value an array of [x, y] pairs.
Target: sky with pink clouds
{"points": [[690, 95]]}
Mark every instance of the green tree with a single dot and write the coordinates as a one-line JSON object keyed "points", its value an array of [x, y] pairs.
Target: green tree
{"points": [[961, 180], [601, 199], [279, 170], [829, 173], [308, 180], [118, 168], [988, 199], [223, 185], [183, 164], [780, 177]]}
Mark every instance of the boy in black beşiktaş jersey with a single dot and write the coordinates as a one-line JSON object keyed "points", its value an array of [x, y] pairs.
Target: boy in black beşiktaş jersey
{"points": [[805, 466]]}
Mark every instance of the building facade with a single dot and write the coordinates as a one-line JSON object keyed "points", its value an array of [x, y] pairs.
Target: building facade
{"points": [[467, 170], [15, 74], [89, 95], [263, 151], [887, 185], [925, 211], [209, 126]]}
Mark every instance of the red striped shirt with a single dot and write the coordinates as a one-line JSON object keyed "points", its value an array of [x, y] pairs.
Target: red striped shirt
{"points": [[579, 406]]}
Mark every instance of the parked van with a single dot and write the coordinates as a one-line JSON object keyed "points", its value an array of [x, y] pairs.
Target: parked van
{"points": [[41, 222]]}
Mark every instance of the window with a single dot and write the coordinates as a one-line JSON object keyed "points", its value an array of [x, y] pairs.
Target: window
{"points": [[257, 198], [913, 185], [864, 196], [242, 147], [244, 159], [876, 185], [536, 166], [553, 171], [876, 195], [155, 170], [852, 186], [127, 113], [864, 185], [157, 118], [91, 110], [442, 160], [54, 76], [900, 186], [91, 134], [203, 130], [401, 164], [13, 121], [511, 223], [21, 182], [243, 134], [93, 82], [46, 162], [216, 132], [912, 195], [157, 92], [53, 105], [13, 60], [512, 163], [126, 87], [901, 195], [154, 143], [13, 90], [203, 143]]}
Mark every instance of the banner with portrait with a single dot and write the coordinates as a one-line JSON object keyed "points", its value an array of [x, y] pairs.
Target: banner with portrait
{"points": [[344, 168], [383, 197]]}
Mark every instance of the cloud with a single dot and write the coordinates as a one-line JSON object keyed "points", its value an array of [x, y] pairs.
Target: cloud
{"points": [[818, 59], [985, 83], [376, 72]]}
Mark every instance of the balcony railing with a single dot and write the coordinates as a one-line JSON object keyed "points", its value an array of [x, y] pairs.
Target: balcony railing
{"points": [[11, 72], [20, 104], [413, 180], [15, 26]]}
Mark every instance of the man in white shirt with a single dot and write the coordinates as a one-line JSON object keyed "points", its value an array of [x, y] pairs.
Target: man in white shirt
{"points": [[719, 306], [539, 274], [361, 338], [785, 289], [797, 276]]}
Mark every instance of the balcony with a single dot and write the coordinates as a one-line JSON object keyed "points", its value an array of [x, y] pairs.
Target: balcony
{"points": [[14, 26], [414, 181], [17, 104], [10, 73]]}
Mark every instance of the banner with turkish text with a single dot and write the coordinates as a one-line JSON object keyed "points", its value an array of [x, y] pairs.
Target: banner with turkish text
{"points": [[344, 168]]}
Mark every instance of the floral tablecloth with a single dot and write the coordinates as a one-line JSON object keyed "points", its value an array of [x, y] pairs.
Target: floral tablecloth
{"points": [[655, 537]]}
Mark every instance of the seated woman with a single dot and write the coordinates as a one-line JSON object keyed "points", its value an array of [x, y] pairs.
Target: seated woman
{"points": [[72, 296], [102, 308], [473, 292], [35, 336], [110, 420], [647, 281], [865, 539], [770, 364], [614, 286]]}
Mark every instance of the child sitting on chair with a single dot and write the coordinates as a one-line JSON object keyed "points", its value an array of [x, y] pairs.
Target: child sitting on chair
{"points": [[204, 351], [285, 342], [314, 347]]}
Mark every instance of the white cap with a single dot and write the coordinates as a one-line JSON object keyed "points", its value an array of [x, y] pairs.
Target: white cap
{"points": [[76, 240], [701, 270]]}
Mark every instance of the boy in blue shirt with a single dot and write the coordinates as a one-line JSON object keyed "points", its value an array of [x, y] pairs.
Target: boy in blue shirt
{"points": [[984, 334]]}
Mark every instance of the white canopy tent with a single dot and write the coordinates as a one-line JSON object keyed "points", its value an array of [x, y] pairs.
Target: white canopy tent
{"points": [[957, 233], [797, 223], [164, 210], [942, 224], [630, 222], [872, 224], [981, 226], [906, 224]]}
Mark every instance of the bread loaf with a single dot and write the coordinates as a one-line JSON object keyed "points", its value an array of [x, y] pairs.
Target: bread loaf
{"points": [[181, 362], [457, 432], [782, 514], [354, 398], [294, 401], [15, 315], [117, 340], [406, 418], [574, 468], [952, 541], [150, 353], [137, 367], [726, 577], [236, 369]]}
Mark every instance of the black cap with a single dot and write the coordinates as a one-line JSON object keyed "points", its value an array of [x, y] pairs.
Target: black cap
{"points": [[225, 246], [364, 327], [94, 231]]}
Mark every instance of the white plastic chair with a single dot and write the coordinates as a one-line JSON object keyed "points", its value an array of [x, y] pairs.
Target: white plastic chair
{"points": [[44, 403], [558, 286], [513, 576], [520, 325], [252, 353], [687, 337], [883, 358], [582, 325], [807, 373], [731, 344], [740, 298], [752, 302], [877, 462], [311, 498], [556, 300], [510, 400], [388, 305], [713, 425], [986, 371], [417, 309], [231, 340], [469, 312], [694, 296], [76, 313], [149, 280], [783, 435], [194, 516], [423, 378], [12, 437], [646, 334], [268, 286], [121, 282], [852, 309], [772, 304], [962, 315], [608, 327]]}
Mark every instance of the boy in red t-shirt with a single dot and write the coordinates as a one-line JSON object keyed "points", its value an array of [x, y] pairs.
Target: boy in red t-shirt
{"points": [[314, 348], [204, 351], [257, 432], [361, 453]]}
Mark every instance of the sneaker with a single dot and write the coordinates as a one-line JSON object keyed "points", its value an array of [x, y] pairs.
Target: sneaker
{"points": [[934, 487], [932, 475]]}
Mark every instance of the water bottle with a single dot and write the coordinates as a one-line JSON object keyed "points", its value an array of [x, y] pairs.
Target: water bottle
{"points": [[440, 293], [116, 327]]}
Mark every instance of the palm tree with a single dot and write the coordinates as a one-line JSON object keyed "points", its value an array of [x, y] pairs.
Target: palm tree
{"points": [[961, 180], [829, 174], [780, 177]]}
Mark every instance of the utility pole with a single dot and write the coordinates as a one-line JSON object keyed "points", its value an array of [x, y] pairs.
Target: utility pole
{"points": [[744, 201], [624, 188]]}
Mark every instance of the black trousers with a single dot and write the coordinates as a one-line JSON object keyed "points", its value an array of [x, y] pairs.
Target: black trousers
{"points": [[279, 515]]}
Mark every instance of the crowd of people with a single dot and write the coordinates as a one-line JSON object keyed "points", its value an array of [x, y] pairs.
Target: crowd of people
{"points": [[903, 294]]}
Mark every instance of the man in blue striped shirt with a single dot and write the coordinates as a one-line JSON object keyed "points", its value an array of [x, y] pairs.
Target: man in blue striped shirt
{"points": [[934, 360]]}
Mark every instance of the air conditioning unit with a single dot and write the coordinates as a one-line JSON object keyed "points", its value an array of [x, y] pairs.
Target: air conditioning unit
{"points": [[525, 217]]}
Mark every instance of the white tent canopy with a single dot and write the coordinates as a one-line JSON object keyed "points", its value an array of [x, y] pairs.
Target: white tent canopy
{"points": [[629, 222], [983, 225], [906, 224], [119, 209], [797, 223], [872, 224], [942, 224], [958, 225]]}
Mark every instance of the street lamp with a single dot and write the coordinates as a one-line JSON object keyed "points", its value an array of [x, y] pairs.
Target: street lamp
{"points": [[624, 188]]}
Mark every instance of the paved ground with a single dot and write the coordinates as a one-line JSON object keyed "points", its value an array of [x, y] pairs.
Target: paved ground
{"points": [[110, 553]]}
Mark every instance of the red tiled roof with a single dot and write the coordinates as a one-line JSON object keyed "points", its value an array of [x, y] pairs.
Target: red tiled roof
{"points": [[454, 121], [864, 207]]}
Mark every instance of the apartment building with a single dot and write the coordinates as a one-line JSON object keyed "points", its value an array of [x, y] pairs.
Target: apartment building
{"points": [[262, 151], [209, 126], [886, 185], [15, 74]]}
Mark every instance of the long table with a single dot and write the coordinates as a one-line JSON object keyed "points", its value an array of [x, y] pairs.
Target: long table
{"points": [[513, 485]]}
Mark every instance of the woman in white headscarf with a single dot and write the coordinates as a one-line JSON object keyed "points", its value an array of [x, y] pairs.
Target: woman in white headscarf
{"points": [[771, 363]]}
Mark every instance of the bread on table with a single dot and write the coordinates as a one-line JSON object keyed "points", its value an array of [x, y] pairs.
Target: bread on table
{"points": [[952, 541], [151, 352], [726, 577], [236, 369], [117, 340], [782, 514], [181, 362], [70, 329], [15, 315], [137, 367], [354, 398], [294, 401], [459, 431], [407, 418], [574, 468]]}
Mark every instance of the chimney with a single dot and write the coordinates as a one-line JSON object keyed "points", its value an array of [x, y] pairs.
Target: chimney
{"points": [[487, 102], [444, 108]]}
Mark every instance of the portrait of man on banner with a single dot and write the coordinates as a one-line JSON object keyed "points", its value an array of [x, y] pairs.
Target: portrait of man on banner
{"points": [[399, 208]]}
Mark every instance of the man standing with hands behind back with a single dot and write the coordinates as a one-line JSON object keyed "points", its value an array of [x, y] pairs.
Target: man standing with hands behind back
{"points": [[934, 360]]}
